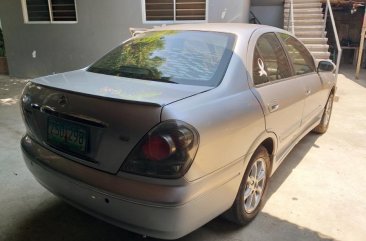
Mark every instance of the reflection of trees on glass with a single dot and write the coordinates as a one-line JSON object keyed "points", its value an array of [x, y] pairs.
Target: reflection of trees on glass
{"points": [[135, 58], [173, 56]]}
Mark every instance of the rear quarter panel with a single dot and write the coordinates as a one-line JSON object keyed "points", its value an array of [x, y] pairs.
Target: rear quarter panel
{"points": [[228, 119]]}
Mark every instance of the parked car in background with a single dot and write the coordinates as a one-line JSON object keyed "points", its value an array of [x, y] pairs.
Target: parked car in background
{"points": [[177, 125]]}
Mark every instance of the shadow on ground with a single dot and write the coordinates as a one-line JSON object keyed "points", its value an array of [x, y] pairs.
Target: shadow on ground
{"points": [[291, 161], [61, 222], [57, 221], [10, 90]]}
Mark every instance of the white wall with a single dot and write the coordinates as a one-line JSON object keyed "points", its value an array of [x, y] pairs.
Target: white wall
{"points": [[269, 15], [232, 11], [101, 26]]}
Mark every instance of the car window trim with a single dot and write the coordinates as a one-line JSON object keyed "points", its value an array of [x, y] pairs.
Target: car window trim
{"points": [[289, 57], [286, 53], [274, 82], [281, 80], [288, 60], [233, 38]]}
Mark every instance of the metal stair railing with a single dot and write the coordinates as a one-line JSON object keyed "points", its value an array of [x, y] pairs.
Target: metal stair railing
{"points": [[329, 9], [253, 18], [291, 18]]}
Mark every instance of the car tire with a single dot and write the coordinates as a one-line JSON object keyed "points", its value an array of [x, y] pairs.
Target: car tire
{"points": [[324, 123], [249, 199]]}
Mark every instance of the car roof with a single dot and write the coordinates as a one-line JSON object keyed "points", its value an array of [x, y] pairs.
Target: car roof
{"points": [[235, 28]]}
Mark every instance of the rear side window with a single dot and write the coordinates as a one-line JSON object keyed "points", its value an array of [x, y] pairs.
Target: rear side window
{"points": [[301, 59], [181, 57], [269, 62]]}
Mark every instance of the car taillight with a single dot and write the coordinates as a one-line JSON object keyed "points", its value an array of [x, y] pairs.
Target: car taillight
{"points": [[167, 151], [158, 148]]}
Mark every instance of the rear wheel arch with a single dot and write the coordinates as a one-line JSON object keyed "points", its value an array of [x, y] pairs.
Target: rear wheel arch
{"points": [[333, 90], [269, 144], [249, 198], [269, 141], [266, 141]]}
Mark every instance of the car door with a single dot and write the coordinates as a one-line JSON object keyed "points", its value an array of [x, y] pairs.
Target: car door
{"points": [[305, 70], [280, 93]]}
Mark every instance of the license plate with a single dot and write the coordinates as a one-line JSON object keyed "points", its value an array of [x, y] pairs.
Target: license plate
{"points": [[67, 135]]}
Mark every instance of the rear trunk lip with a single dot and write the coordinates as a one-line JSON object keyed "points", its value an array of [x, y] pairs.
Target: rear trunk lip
{"points": [[102, 97], [94, 159]]}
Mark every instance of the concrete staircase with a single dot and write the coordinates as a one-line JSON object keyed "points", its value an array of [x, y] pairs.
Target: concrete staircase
{"points": [[308, 25]]}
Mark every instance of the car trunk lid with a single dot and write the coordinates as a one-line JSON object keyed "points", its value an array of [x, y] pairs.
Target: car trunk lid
{"points": [[120, 88], [107, 115]]}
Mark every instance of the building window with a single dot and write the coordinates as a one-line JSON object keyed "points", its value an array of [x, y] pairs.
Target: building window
{"points": [[49, 11], [174, 10]]}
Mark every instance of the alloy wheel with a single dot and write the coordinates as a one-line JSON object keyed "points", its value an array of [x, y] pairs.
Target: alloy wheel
{"points": [[255, 185]]}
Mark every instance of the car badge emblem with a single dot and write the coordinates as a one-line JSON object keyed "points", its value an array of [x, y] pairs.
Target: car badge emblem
{"points": [[262, 71], [62, 101]]}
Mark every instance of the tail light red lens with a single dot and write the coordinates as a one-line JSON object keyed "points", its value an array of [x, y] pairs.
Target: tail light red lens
{"points": [[167, 151], [157, 148]]}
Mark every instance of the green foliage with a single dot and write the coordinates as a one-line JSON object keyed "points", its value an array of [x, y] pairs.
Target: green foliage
{"points": [[136, 57], [138, 53], [2, 45]]}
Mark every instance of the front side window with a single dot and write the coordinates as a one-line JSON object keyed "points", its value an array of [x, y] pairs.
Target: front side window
{"points": [[301, 59], [181, 57], [174, 10], [269, 61], [49, 11]]}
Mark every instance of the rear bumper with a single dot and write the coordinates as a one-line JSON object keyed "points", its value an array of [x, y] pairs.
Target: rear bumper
{"points": [[170, 212]]}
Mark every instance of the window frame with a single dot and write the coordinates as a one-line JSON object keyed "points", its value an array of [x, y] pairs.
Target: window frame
{"points": [[144, 21], [26, 18], [289, 57], [270, 82], [232, 39]]}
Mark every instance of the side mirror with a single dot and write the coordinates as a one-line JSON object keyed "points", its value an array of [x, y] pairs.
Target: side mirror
{"points": [[326, 66]]}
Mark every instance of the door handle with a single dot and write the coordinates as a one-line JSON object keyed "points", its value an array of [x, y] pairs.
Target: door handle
{"points": [[47, 109], [308, 92], [273, 107]]}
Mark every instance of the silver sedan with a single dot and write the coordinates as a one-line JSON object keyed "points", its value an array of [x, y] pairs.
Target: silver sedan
{"points": [[177, 125]]}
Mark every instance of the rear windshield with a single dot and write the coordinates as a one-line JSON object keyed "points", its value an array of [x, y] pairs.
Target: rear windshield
{"points": [[181, 57]]}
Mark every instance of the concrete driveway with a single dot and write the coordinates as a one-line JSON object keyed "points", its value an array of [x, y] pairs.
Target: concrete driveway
{"points": [[317, 194]]}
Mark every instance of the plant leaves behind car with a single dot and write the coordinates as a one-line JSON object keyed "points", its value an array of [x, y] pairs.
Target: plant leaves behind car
{"points": [[2, 45], [136, 59]]}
